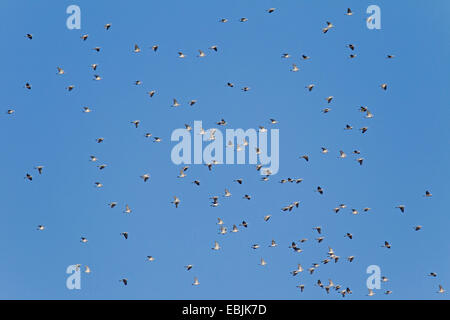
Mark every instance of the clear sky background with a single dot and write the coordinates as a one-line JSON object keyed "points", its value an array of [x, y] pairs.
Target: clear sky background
{"points": [[405, 149]]}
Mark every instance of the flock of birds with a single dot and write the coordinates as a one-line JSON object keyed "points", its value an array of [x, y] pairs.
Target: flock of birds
{"points": [[331, 255]]}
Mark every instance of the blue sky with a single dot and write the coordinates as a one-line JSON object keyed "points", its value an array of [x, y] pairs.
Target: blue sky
{"points": [[405, 149]]}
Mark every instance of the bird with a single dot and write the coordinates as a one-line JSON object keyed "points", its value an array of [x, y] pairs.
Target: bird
{"points": [[125, 281], [29, 36], [298, 270], [136, 49], [84, 240], [188, 267], [216, 246], [40, 227], [294, 68], [271, 10], [441, 289], [112, 204], [349, 12], [428, 194], [328, 27], [196, 283], [182, 174], [176, 201], [145, 177], [127, 209], [305, 157], [60, 70], [107, 26], [124, 234], [39, 169], [401, 207], [84, 37], [223, 230], [384, 86], [262, 262], [387, 245], [175, 103]]}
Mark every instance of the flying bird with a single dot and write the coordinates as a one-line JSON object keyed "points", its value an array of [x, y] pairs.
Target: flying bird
{"points": [[176, 201]]}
